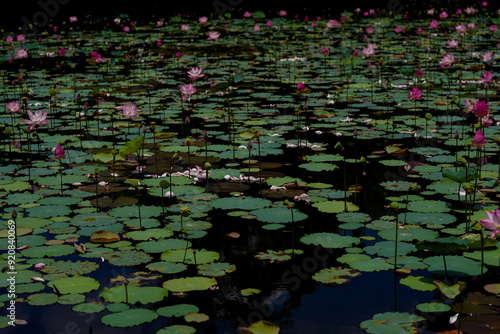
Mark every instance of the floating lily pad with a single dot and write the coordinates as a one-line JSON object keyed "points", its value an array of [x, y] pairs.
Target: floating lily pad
{"points": [[217, 269], [335, 275], [335, 206], [129, 318], [189, 284], [391, 322], [91, 307], [178, 310], [133, 294], [329, 240], [70, 268], [419, 283], [74, 284], [433, 307]]}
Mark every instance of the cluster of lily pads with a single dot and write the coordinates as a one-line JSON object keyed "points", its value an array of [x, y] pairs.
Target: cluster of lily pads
{"points": [[169, 147]]}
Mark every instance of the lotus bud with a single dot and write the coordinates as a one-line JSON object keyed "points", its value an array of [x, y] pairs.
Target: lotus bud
{"points": [[394, 205], [14, 214]]}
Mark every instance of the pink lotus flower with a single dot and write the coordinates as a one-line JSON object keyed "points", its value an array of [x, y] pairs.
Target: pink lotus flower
{"points": [[430, 11], [36, 119], [369, 50], [256, 28], [420, 31], [213, 36], [21, 53], [486, 57], [324, 50], [160, 23], [59, 152], [9, 39], [486, 121], [460, 28], [469, 106], [247, 14], [185, 27], [492, 223], [370, 30], [443, 15], [203, 20], [452, 44], [269, 23], [178, 54], [434, 24], [282, 13], [73, 19], [20, 38], [415, 94], [419, 73], [13, 106], [471, 25], [195, 73], [447, 60], [398, 30], [129, 111], [478, 139], [96, 57], [481, 109], [187, 90], [332, 23], [459, 12], [301, 87], [493, 28], [484, 3], [487, 78], [470, 11]]}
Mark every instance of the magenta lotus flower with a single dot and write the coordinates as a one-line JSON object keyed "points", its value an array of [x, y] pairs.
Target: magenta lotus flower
{"points": [[434, 24], [301, 87], [492, 223], [487, 56], [324, 50], [415, 94], [493, 28], [36, 119], [478, 140], [187, 90], [419, 73], [470, 11], [443, 15], [447, 60], [13, 106], [461, 28], [213, 36], [452, 43], [195, 73], [9, 39], [487, 78], [256, 28], [203, 20], [73, 19], [283, 13], [481, 108], [247, 14], [59, 152], [129, 111], [398, 30], [486, 121]]}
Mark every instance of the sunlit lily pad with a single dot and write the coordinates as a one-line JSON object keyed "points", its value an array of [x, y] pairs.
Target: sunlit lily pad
{"points": [[216, 269], [335, 206], [391, 322], [133, 294], [335, 275], [74, 284], [419, 283]]}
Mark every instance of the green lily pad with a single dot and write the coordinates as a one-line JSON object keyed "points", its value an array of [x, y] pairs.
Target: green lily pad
{"points": [[129, 318], [391, 322], [177, 329], [128, 257], [190, 256], [91, 307], [71, 299], [189, 284], [74, 284], [41, 299], [419, 283], [167, 267], [178, 310], [433, 307], [133, 294], [70, 268], [278, 215], [329, 240], [250, 292], [335, 275], [335, 206], [215, 269], [455, 265]]}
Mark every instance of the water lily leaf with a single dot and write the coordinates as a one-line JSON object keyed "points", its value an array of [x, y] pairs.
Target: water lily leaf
{"points": [[70, 268], [20, 230], [74, 284], [167, 267], [117, 307], [41, 299], [250, 292], [133, 294], [371, 265], [233, 203], [455, 265], [419, 283], [387, 248], [329, 240], [104, 237], [443, 245], [450, 291], [178, 310], [129, 318], [335, 206], [278, 215], [493, 288], [335, 275], [160, 246], [408, 234], [319, 167], [131, 146], [91, 307], [461, 176], [391, 322], [189, 284], [128, 257], [177, 329], [196, 317], [48, 251], [433, 307], [273, 256], [190, 256], [71, 299], [155, 233], [215, 269], [261, 327], [429, 206]]}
